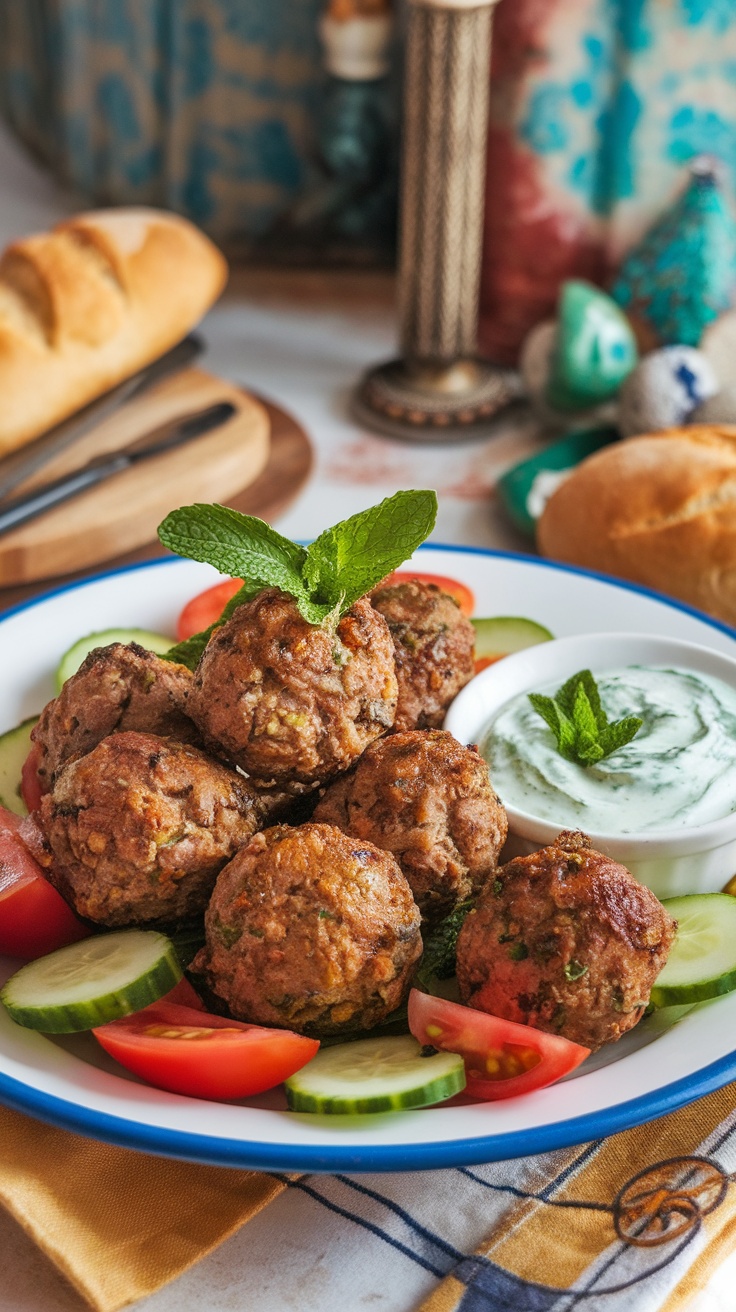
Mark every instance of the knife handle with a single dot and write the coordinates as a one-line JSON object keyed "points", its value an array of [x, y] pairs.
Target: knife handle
{"points": [[15, 513]]}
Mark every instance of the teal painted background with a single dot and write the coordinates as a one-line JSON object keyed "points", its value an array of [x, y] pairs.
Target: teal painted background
{"points": [[205, 106]]}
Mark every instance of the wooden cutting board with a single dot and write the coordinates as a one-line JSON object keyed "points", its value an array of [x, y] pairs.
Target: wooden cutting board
{"points": [[121, 515]]}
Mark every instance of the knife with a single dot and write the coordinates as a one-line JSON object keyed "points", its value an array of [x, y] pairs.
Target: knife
{"points": [[19, 466], [166, 437]]}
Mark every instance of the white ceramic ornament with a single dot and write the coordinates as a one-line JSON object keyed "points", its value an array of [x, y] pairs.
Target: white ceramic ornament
{"points": [[664, 389]]}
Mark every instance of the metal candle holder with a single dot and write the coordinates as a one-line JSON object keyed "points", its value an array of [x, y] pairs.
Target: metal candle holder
{"points": [[439, 388]]}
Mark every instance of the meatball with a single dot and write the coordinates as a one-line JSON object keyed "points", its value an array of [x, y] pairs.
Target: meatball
{"points": [[429, 801], [434, 645], [140, 827], [294, 702], [116, 688], [311, 930], [565, 940]]}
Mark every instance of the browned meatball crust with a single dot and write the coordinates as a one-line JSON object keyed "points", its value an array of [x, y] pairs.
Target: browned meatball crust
{"points": [[434, 645], [565, 940], [293, 702], [429, 801], [116, 688], [140, 827], [311, 930]]}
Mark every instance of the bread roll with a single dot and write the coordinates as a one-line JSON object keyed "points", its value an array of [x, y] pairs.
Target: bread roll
{"points": [[659, 510], [89, 303]]}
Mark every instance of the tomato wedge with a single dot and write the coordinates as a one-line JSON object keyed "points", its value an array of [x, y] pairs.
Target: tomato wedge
{"points": [[502, 1058], [460, 591], [34, 918], [206, 608], [184, 1050], [30, 784], [184, 995]]}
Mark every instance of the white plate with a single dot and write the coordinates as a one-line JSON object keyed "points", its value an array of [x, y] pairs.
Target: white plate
{"points": [[664, 1063]]}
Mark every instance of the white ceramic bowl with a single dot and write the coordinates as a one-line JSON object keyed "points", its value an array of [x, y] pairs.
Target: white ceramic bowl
{"points": [[700, 859]]}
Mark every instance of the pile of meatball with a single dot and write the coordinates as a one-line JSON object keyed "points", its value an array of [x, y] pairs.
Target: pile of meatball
{"points": [[299, 791]]}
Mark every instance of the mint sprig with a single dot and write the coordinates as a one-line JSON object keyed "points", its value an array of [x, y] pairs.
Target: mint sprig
{"points": [[325, 579], [579, 723]]}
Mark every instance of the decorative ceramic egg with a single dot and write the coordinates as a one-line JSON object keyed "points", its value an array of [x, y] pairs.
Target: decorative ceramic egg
{"points": [[664, 390]]}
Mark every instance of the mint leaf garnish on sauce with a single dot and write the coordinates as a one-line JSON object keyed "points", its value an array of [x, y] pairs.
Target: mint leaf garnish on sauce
{"points": [[579, 723], [325, 579]]}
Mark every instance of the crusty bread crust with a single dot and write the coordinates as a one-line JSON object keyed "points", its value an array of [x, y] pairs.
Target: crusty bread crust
{"points": [[659, 510], [92, 301]]}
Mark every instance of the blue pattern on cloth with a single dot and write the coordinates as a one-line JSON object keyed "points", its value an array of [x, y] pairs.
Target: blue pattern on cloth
{"points": [[455, 1225]]}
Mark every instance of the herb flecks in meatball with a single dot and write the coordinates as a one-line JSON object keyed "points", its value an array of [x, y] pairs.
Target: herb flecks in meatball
{"points": [[116, 688], [140, 827], [293, 702], [311, 930], [565, 940], [429, 801], [434, 647]]}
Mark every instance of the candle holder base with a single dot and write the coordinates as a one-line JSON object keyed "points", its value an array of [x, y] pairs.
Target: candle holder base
{"points": [[424, 402]]}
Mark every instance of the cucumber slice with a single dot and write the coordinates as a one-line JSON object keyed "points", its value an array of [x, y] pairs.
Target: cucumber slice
{"points": [[375, 1075], [72, 659], [89, 983], [702, 960], [14, 748], [503, 634]]}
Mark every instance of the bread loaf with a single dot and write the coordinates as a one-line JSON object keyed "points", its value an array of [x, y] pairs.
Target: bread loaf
{"points": [[89, 303], [658, 510]]}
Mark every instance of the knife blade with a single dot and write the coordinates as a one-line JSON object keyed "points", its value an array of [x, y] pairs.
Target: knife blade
{"points": [[19, 465], [166, 437]]}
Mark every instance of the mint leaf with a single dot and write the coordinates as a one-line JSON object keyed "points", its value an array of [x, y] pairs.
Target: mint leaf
{"points": [[583, 717], [240, 545], [553, 715], [342, 565], [587, 748], [568, 692], [580, 725], [620, 733], [243, 546], [346, 561]]}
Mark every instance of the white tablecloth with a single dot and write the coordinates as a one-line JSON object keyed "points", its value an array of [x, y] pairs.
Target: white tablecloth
{"points": [[302, 1253]]}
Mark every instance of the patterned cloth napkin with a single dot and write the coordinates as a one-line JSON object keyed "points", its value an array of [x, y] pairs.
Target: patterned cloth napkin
{"points": [[634, 1223]]}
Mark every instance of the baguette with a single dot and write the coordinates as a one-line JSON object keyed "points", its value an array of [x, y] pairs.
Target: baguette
{"points": [[659, 510], [89, 303]]}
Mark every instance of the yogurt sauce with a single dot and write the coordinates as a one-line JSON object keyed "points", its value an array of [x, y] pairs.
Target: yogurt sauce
{"points": [[679, 771]]}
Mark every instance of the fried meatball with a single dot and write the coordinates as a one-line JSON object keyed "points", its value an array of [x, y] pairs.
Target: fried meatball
{"points": [[565, 940], [434, 645], [115, 688], [311, 930], [429, 801], [294, 702], [140, 827]]}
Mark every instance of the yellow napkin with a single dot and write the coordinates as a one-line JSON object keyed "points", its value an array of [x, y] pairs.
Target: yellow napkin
{"points": [[117, 1223]]}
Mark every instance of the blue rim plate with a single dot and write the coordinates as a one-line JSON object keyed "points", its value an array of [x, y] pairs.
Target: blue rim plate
{"points": [[71, 1083]]}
